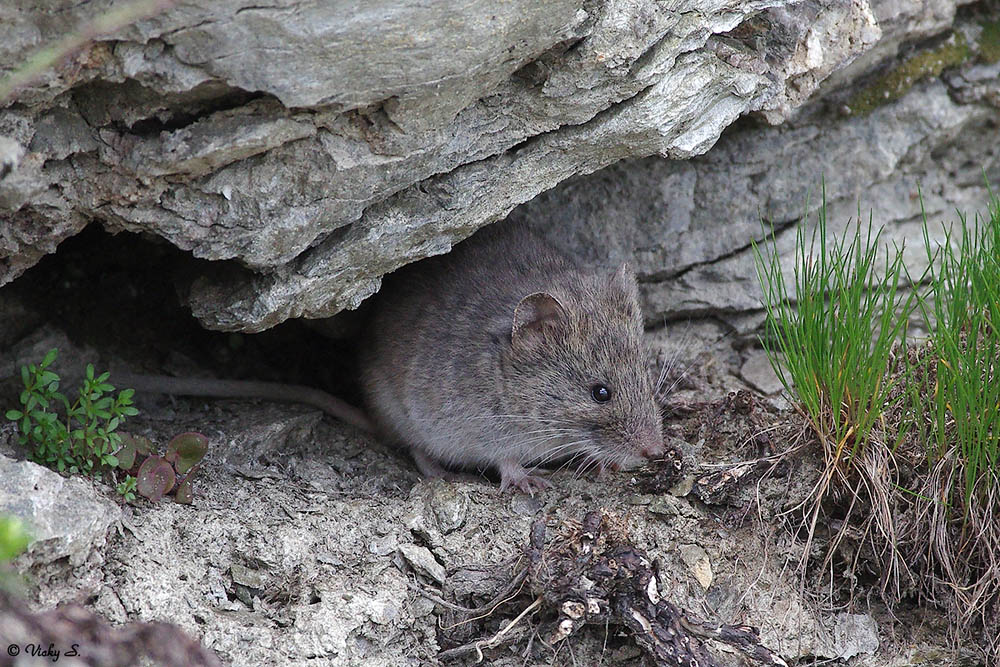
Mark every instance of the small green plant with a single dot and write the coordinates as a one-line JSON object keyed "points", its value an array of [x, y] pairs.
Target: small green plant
{"points": [[80, 439], [83, 436], [835, 328], [14, 538], [126, 488], [962, 308]]}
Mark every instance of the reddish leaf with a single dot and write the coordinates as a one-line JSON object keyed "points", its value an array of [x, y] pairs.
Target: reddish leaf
{"points": [[155, 478], [142, 444]]}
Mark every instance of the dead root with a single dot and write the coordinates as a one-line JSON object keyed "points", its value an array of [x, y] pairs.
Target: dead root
{"points": [[958, 553], [590, 574]]}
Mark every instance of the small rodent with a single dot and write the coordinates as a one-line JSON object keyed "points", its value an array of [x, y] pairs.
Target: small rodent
{"points": [[501, 354], [504, 354]]}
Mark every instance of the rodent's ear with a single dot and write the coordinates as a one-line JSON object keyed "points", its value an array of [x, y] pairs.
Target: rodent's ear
{"points": [[533, 312], [624, 279]]}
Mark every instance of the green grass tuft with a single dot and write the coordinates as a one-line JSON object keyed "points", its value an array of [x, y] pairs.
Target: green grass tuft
{"points": [[831, 333], [962, 305]]}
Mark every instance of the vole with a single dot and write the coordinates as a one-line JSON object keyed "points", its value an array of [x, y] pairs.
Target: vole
{"points": [[500, 354]]}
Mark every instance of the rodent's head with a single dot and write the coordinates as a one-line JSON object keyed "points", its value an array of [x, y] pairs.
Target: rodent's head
{"points": [[575, 369]]}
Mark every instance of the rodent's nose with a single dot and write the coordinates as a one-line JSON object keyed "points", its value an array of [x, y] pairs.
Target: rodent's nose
{"points": [[652, 449]]}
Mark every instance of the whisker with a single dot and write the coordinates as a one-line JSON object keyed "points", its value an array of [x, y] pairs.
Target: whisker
{"points": [[513, 418], [557, 452], [552, 453]]}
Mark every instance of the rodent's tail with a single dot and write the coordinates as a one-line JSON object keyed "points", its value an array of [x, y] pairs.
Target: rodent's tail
{"points": [[272, 391]]}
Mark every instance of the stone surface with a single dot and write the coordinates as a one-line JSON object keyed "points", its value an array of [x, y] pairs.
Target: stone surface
{"points": [[759, 374], [422, 560], [688, 225], [68, 520], [66, 516], [854, 634], [322, 148], [320, 187], [698, 563]]}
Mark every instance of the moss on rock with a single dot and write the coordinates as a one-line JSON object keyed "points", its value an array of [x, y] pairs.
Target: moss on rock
{"points": [[893, 84], [989, 42]]}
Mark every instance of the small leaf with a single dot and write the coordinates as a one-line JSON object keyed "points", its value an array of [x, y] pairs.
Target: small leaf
{"points": [[50, 356], [126, 455], [90, 371], [155, 478], [14, 415], [184, 495], [125, 395], [109, 460], [186, 450], [25, 376]]}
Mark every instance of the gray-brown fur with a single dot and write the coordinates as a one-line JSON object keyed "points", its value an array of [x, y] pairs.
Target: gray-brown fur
{"points": [[452, 372]]}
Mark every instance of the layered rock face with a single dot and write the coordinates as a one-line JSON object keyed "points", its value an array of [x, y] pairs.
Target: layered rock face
{"points": [[303, 150], [310, 148]]}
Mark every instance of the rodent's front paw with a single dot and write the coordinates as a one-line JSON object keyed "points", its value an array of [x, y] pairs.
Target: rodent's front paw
{"points": [[513, 473]]}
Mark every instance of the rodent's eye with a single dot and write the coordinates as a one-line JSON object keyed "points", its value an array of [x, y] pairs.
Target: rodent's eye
{"points": [[600, 393]]}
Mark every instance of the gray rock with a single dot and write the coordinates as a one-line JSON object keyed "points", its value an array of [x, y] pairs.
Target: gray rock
{"points": [[322, 158], [68, 519], [758, 373], [698, 563], [423, 561], [11, 153], [384, 545], [450, 505], [66, 516], [687, 225], [853, 635]]}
